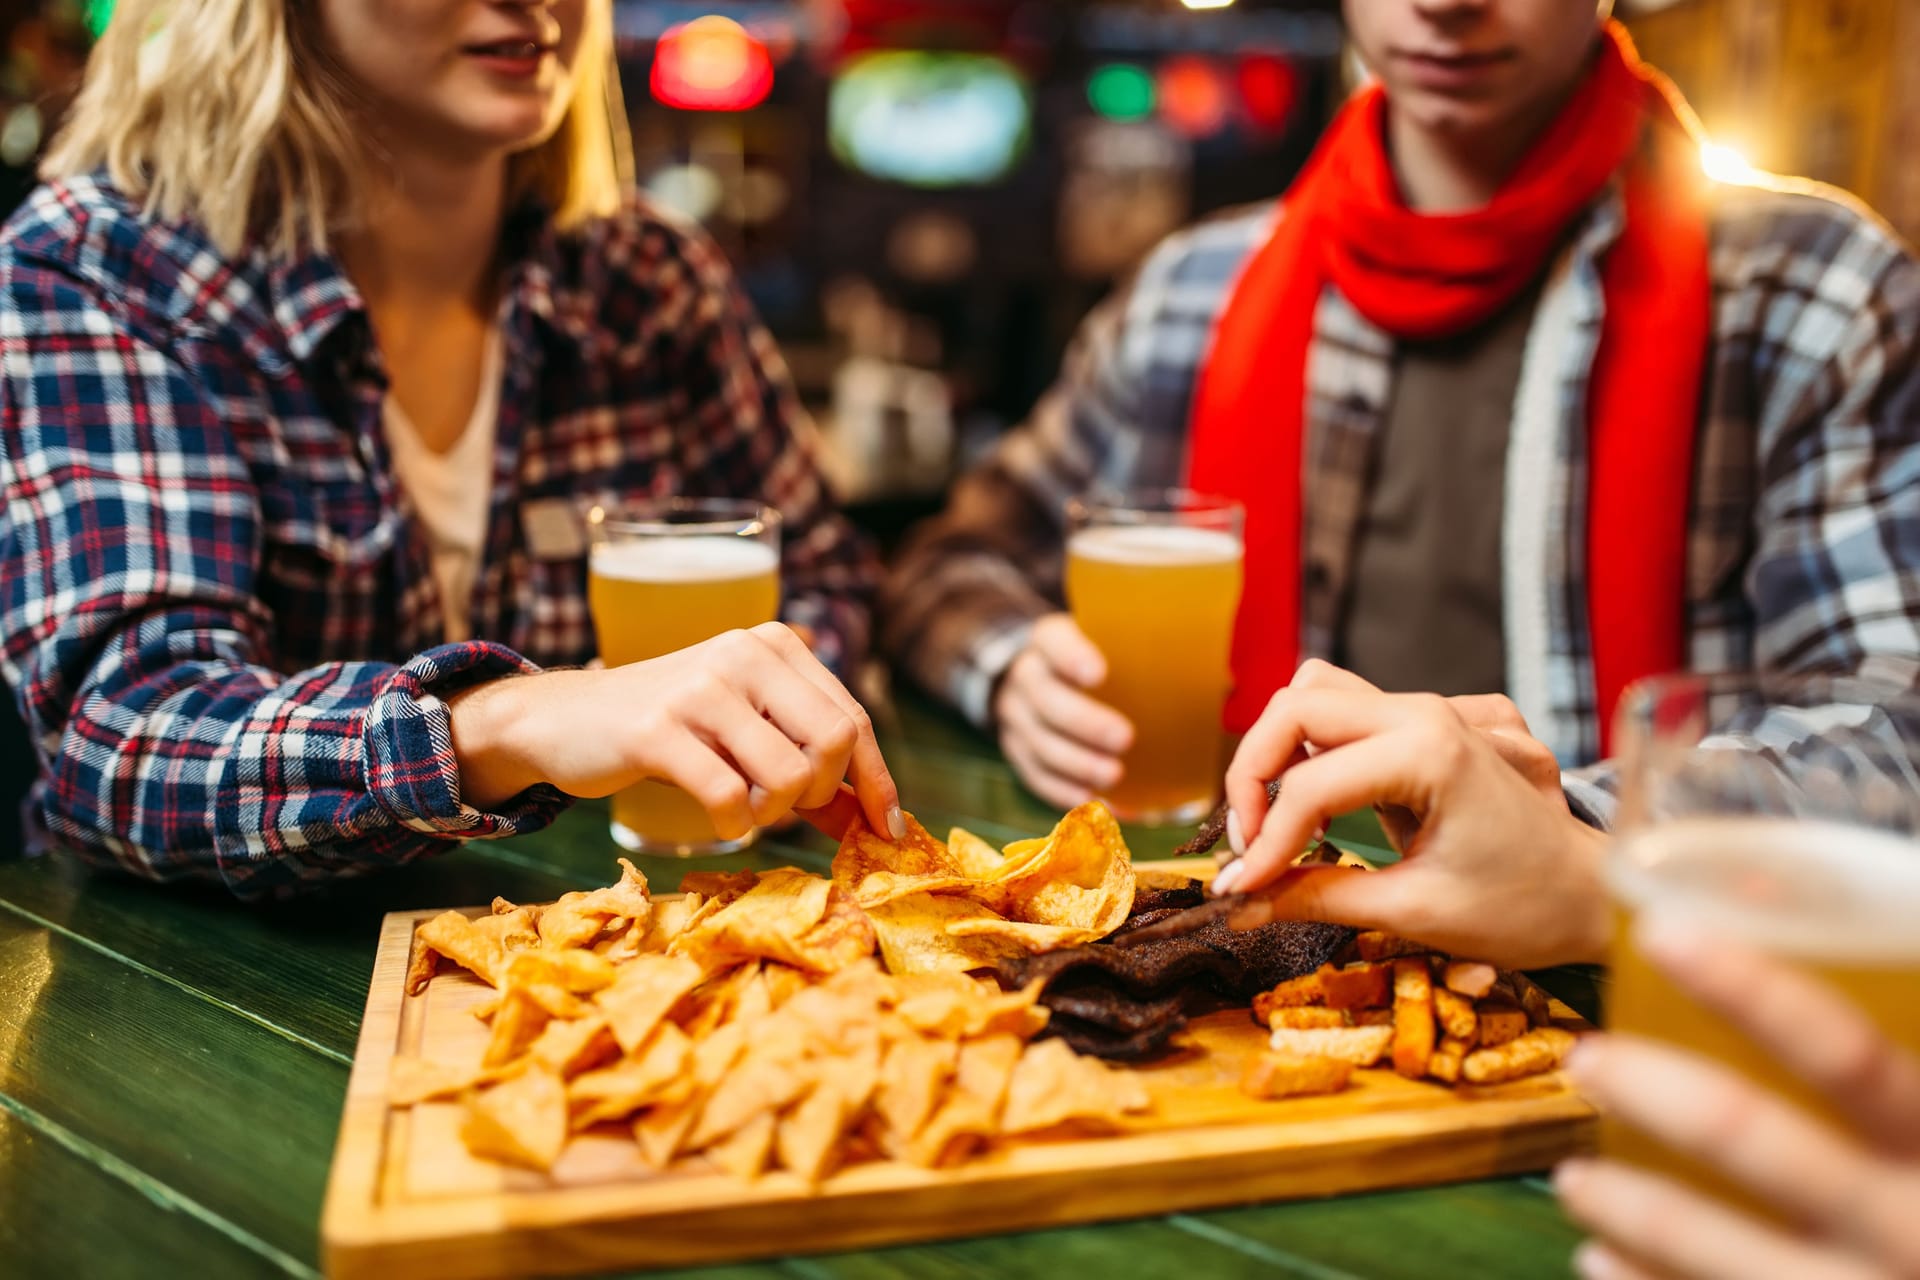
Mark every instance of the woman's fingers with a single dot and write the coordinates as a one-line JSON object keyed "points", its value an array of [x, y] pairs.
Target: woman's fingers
{"points": [[866, 766], [696, 768]]}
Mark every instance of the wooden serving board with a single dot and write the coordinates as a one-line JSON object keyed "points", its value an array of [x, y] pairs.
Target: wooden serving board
{"points": [[405, 1198]]}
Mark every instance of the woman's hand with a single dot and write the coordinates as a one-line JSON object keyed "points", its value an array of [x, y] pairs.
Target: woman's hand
{"points": [[1495, 866], [748, 723], [1064, 743], [1854, 1196]]}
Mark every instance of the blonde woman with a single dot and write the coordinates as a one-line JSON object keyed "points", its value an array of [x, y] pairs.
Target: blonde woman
{"points": [[325, 309]]}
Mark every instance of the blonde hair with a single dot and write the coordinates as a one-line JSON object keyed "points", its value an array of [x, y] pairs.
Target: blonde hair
{"points": [[235, 113]]}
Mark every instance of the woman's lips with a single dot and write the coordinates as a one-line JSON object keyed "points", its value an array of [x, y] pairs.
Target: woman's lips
{"points": [[521, 58]]}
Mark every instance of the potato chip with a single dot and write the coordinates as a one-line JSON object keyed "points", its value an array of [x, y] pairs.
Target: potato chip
{"points": [[1081, 877], [1028, 937], [862, 852], [1051, 1085], [744, 1154], [522, 1121], [643, 994], [972, 856], [578, 917], [913, 1075], [914, 938], [657, 1072], [881, 887]]}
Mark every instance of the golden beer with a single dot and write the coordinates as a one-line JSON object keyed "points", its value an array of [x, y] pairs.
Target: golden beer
{"points": [[651, 594], [1836, 899], [1158, 601]]}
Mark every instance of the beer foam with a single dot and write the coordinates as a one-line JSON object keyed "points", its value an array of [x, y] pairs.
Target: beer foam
{"points": [[701, 558], [1810, 890], [1155, 544]]}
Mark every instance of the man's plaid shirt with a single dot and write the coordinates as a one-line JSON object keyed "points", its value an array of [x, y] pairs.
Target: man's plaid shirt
{"points": [[216, 611], [1804, 551]]}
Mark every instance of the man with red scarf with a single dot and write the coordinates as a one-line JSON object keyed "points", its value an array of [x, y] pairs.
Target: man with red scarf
{"points": [[1518, 402]]}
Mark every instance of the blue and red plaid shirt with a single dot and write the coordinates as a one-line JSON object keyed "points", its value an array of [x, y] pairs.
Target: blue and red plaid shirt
{"points": [[216, 609]]}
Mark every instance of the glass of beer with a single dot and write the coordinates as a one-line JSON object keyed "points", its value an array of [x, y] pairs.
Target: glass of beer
{"points": [[1153, 579], [1817, 865], [661, 576]]}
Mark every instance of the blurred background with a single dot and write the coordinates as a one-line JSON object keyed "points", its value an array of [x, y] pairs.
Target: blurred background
{"points": [[925, 196]]}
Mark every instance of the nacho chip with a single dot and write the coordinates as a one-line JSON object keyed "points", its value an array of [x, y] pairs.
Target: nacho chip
{"points": [[971, 1111], [758, 1085], [716, 1000], [1051, 1085], [843, 936], [480, 952], [807, 1137], [412, 1080], [913, 1075], [643, 994], [744, 1154], [572, 1046], [914, 938], [663, 1130], [522, 1121], [955, 1007], [576, 971], [420, 968], [724, 887], [770, 920], [670, 918], [515, 1027], [657, 1072], [578, 917]]}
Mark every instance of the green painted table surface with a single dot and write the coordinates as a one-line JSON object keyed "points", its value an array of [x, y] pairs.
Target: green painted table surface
{"points": [[172, 1066]]}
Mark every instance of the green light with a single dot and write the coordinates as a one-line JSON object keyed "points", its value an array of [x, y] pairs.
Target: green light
{"points": [[98, 14], [1121, 91]]}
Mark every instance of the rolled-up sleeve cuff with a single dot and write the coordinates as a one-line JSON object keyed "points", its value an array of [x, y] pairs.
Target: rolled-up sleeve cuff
{"points": [[1590, 802], [411, 770], [987, 658]]}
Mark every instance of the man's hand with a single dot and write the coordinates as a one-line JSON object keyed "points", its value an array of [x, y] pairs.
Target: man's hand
{"points": [[1064, 744]]}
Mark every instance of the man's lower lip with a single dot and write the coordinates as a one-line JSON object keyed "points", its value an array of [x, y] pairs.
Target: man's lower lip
{"points": [[1443, 72]]}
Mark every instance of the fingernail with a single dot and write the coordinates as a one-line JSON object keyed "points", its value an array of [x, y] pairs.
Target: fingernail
{"points": [[896, 823], [1570, 1175], [1228, 878], [1236, 837], [1594, 1261]]}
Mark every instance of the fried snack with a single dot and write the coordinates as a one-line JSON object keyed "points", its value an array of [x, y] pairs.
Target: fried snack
{"points": [[724, 887], [1412, 1016], [413, 1080], [1303, 1017], [788, 916], [479, 946], [521, 1121], [1541, 1049], [913, 1074], [1052, 1085], [744, 1154], [1374, 945], [1362, 1046], [1469, 978], [421, 966], [914, 937], [655, 1074], [573, 1045], [1370, 1017], [1361, 986], [1455, 1014], [950, 1005], [1283, 1075], [1498, 1023], [577, 918], [1533, 1000], [971, 1111], [1293, 993], [519, 1022], [642, 996], [1444, 1065]]}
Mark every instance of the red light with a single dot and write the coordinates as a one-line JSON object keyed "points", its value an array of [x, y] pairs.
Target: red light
{"points": [[711, 64], [1269, 89], [1192, 96]]}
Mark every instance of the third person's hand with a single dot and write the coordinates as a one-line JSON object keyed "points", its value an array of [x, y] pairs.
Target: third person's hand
{"points": [[1064, 743]]}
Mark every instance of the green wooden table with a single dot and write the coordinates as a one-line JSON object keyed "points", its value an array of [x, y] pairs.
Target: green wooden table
{"points": [[172, 1066]]}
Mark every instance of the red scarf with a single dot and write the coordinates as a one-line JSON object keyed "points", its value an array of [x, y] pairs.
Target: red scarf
{"points": [[1423, 276]]}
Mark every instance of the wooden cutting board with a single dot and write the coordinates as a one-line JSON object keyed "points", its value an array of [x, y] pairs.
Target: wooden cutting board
{"points": [[405, 1198]]}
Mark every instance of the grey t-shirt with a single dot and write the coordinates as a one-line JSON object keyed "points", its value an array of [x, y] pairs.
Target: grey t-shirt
{"points": [[1423, 613]]}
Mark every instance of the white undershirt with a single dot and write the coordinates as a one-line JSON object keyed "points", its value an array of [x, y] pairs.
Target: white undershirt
{"points": [[451, 491]]}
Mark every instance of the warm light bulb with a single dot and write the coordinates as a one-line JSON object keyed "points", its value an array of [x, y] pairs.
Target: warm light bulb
{"points": [[1206, 4], [1725, 164]]}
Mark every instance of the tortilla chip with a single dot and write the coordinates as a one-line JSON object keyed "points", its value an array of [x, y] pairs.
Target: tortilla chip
{"points": [[717, 1000], [758, 1085], [956, 1007], [914, 937], [744, 1154], [571, 1046], [420, 968], [843, 936], [658, 1071], [808, 1136], [1051, 1085], [515, 1027], [643, 994], [412, 1080], [670, 918], [663, 1130], [724, 887], [913, 1075], [478, 951], [770, 920], [555, 1001], [576, 971], [578, 917], [971, 1111], [522, 1121]]}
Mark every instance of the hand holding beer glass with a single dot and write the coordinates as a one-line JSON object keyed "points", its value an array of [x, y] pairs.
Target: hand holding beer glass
{"points": [[1766, 985], [663, 576], [1153, 579]]}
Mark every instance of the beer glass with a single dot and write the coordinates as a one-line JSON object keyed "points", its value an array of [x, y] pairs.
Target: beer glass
{"points": [[1732, 821], [1153, 579], [661, 576]]}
